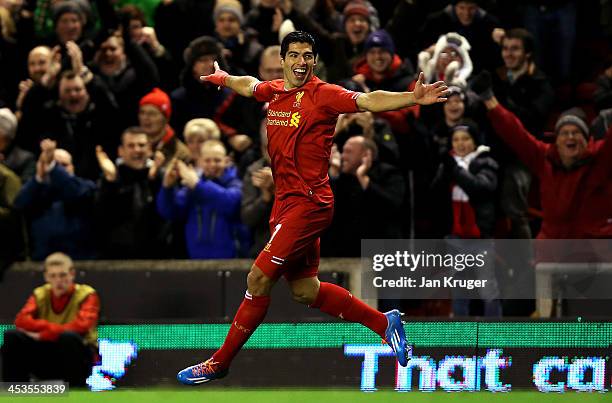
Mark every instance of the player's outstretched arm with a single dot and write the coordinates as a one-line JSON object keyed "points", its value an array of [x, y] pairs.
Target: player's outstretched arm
{"points": [[243, 85], [423, 94]]}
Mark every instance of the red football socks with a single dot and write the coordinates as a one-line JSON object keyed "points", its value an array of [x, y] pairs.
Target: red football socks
{"points": [[250, 314], [338, 302]]}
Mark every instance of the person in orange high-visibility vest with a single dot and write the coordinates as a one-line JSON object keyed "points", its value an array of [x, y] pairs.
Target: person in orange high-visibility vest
{"points": [[56, 333]]}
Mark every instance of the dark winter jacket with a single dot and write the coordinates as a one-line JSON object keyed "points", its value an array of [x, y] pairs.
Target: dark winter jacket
{"points": [[127, 220], [365, 214], [530, 97], [60, 214], [479, 182]]}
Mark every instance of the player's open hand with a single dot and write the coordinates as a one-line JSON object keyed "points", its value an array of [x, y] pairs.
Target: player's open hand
{"points": [[427, 94], [217, 78]]}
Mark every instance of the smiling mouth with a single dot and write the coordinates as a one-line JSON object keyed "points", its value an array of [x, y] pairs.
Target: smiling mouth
{"points": [[299, 73]]}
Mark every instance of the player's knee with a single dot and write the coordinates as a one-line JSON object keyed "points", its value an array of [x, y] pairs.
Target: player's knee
{"points": [[305, 292], [304, 297], [258, 283]]}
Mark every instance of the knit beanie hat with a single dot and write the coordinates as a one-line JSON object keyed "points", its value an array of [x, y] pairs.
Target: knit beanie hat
{"points": [[8, 123], [573, 116], [159, 99], [356, 7], [380, 39], [229, 6], [471, 128], [69, 6], [204, 45]]}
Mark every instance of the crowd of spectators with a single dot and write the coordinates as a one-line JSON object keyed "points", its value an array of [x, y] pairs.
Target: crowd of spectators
{"points": [[113, 148]]}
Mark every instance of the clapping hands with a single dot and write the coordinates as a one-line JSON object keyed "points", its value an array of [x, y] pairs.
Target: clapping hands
{"points": [[176, 170]]}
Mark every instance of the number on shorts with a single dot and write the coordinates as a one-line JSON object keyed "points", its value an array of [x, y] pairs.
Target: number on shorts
{"points": [[267, 248], [278, 227]]}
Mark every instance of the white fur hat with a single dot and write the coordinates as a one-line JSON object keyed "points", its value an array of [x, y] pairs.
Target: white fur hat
{"points": [[459, 74]]}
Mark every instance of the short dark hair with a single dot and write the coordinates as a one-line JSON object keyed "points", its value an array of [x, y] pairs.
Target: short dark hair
{"points": [[68, 75], [132, 130], [297, 37], [524, 36]]}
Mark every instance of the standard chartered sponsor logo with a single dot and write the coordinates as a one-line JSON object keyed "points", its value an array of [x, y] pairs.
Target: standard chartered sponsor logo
{"points": [[277, 122], [278, 114], [294, 120]]}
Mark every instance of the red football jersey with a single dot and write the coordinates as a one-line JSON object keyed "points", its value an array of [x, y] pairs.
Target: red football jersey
{"points": [[301, 125]]}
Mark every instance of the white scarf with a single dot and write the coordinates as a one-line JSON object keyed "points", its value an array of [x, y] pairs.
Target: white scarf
{"points": [[464, 162]]}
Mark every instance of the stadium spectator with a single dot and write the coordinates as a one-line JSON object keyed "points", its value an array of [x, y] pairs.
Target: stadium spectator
{"points": [[382, 69], [468, 176], [340, 50], [58, 205], [368, 195], [258, 196], [466, 183], [18, 160], [56, 333], [194, 98], [196, 133], [78, 121], [574, 172], [472, 22], [519, 85], [153, 117], [39, 60], [208, 200], [241, 48], [70, 18], [448, 60], [127, 220], [270, 64], [454, 113], [524, 90], [146, 37], [11, 236], [127, 70]]}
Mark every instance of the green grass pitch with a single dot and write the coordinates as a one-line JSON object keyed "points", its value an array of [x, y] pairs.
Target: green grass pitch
{"points": [[207, 395]]}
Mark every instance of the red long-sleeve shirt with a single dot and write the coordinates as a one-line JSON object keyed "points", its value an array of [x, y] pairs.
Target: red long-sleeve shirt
{"points": [[87, 317], [577, 202]]}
